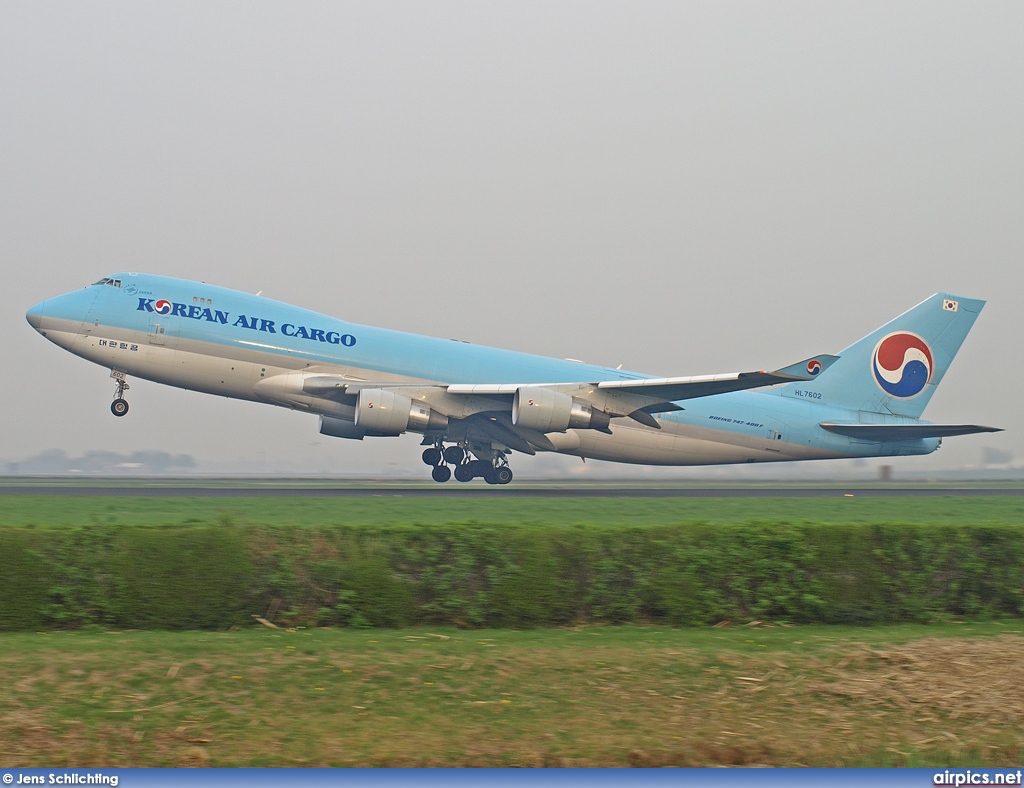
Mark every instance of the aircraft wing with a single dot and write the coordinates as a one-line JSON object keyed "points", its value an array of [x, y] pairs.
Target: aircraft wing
{"points": [[675, 389], [639, 398], [635, 398], [670, 389]]}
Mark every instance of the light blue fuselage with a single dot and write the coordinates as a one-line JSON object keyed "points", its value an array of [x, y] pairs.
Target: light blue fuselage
{"points": [[226, 342]]}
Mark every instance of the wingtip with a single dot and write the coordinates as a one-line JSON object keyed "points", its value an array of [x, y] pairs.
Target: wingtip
{"points": [[808, 369]]}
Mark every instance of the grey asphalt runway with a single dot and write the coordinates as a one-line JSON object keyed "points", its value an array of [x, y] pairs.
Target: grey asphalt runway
{"points": [[452, 491]]}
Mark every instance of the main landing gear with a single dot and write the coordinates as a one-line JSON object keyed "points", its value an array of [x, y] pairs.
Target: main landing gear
{"points": [[493, 471], [119, 407]]}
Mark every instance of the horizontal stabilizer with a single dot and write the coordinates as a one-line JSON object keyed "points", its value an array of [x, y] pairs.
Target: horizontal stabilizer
{"points": [[904, 432]]}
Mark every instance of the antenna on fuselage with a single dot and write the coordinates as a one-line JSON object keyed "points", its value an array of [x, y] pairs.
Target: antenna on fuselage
{"points": [[260, 292]]}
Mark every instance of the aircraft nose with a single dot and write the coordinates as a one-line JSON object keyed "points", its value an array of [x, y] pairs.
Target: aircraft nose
{"points": [[34, 316]]}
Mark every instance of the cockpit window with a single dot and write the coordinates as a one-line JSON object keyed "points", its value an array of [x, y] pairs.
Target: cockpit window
{"points": [[108, 281]]}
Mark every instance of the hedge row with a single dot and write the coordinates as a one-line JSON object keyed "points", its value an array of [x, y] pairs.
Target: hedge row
{"points": [[180, 577]]}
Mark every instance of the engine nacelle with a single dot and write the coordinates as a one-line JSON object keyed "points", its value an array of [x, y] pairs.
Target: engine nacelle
{"points": [[386, 412], [546, 410], [340, 428]]}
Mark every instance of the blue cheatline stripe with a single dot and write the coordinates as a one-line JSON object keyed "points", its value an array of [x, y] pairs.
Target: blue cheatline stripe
{"points": [[377, 778]]}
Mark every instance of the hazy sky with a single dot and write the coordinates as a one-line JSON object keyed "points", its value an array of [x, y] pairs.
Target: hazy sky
{"points": [[682, 188]]}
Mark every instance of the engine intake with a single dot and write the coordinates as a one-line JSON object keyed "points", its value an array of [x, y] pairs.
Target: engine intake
{"points": [[386, 412], [546, 410]]}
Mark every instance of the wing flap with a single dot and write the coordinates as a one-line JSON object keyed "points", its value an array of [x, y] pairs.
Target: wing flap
{"points": [[494, 389], [499, 428]]}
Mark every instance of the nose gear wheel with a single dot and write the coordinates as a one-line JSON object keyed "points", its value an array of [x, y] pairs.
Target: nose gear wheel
{"points": [[119, 407]]}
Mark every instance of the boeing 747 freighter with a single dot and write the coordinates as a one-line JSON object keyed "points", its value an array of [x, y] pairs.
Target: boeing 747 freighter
{"points": [[475, 406]]}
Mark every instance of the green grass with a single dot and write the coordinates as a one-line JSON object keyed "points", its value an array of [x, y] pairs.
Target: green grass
{"points": [[596, 696], [587, 696], [71, 510]]}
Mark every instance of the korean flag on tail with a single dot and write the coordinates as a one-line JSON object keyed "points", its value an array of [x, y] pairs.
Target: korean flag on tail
{"points": [[950, 305]]}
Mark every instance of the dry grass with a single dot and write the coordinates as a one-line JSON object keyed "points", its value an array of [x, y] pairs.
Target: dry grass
{"points": [[596, 697], [960, 678]]}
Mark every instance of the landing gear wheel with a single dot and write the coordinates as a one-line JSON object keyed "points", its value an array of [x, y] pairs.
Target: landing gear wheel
{"points": [[432, 456], [464, 473], [491, 475], [441, 473], [119, 406], [454, 455], [503, 475]]}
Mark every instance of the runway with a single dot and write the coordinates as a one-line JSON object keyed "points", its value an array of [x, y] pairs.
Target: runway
{"points": [[452, 491]]}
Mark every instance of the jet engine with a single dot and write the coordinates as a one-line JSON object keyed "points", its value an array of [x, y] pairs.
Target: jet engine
{"points": [[386, 412], [547, 410], [340, 428]]}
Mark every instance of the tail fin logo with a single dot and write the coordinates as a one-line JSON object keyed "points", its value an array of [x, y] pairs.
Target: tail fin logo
{"points": [[902, 364], [813, 367]]}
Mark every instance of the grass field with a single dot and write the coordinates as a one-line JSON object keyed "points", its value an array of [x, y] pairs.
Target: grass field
{"points": [[939, 695], [63, 511], [950, 695]]}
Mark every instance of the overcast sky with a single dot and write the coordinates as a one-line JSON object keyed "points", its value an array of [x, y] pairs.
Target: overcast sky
{"points": [[682, 188]]}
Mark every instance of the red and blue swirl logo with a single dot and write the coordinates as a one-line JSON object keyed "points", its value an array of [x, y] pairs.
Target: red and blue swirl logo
{"points": [[813, 367], [902, 364], [163, 306]]}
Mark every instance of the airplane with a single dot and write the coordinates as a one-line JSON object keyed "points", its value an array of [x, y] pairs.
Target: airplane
{"points": [[475, 405]]}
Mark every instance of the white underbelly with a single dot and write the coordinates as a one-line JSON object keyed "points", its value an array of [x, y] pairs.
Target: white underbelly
{"points": [[681, 444]]}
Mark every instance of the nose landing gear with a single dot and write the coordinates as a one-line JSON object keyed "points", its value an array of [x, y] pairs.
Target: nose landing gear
{"points": [[119, 407]]}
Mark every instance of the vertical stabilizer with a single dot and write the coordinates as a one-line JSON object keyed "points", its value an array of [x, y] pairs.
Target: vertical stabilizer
{"points": [[897, 368]]}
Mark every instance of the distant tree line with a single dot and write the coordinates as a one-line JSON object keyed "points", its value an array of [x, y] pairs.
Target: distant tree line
{"points": [[57, 461]]}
